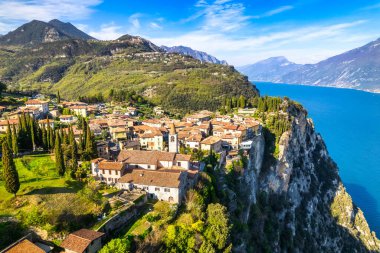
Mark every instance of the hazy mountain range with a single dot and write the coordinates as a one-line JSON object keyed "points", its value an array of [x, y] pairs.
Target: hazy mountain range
{"points": [[202, 56], [358, 68]]}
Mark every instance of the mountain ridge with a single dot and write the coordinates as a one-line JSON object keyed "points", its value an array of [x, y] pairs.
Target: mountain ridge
{"points": [[358, 68], [272, 68], [199, 55], [36, 32]]}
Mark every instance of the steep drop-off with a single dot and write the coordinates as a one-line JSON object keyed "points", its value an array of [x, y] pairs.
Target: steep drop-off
{"points": [[297, 202]]}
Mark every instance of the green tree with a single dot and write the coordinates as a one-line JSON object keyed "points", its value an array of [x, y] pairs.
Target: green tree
{"points": [[45, 142], [118, 245], [10, 174], [3, 87], [242, 101], [9, 136], [59, 162], [217, 225], [90, 143], [58, 98], [74, 154], [32, 133], [14, 140]]}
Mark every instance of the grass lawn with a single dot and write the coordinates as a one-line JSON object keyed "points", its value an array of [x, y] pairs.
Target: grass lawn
{"points": [[36, 172], [48, 201]]}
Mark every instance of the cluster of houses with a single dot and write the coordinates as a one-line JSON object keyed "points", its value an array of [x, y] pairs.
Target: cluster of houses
{"points": [[139, 154], [144, 154]]}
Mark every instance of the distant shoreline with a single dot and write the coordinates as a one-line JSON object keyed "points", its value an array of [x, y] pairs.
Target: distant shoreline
{"points": [[320, 86]]}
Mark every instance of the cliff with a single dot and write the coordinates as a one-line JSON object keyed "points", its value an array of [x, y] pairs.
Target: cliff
{"points": [[296, 202]]}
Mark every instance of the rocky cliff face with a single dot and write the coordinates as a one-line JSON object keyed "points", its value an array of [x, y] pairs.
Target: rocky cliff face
{"points": [[298, 203]]}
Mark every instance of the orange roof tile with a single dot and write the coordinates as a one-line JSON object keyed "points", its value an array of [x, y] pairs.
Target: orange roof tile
{"points": [[25, 246], [153, 178]]}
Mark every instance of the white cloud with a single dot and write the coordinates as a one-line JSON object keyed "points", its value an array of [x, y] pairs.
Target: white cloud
{"points": [[304, 45], [15, 12], [220, 14], [155, 26], [107, 32], [275, 11], [135, 21], [46, 9]]}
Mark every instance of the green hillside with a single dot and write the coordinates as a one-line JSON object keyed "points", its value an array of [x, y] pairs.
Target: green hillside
{"points": [[80, 68]]}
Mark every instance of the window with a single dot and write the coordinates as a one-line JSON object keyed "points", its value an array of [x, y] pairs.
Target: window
{"points": [[109, 179], [157, 189], [103, 172], [179, 164], [116, 173], [148, 166], [166, 190]]}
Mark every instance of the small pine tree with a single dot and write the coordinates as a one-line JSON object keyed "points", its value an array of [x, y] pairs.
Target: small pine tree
{"points": [[11, 179], [59, 162]]}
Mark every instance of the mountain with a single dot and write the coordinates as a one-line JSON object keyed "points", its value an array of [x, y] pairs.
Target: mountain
{"points": [[76, 67], [36, 32], [271, 69], [199, 55], [358, 68], [70, 30]]}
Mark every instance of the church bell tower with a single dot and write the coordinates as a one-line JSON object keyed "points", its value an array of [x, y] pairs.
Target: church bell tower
{"points": [[173, 140]]}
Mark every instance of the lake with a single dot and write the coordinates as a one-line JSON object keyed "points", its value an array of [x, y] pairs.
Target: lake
{"points": [[349, 122]]}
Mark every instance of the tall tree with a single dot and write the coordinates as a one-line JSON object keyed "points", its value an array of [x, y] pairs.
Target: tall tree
{"points": [[50, 135], [14, 140], [32, 133], [12, 183], [9, 136], [242, 101], [3, 88], [58, 98], [45, 142], [90, 143], [74, 153], [59, 162]]}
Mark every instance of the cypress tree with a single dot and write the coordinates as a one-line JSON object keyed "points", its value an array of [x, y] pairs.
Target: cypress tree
{"points": [[58, 98], [90, 143], [14, 141], [32, 134], [50, 135], [45, 143], [74, 153], [9, 136], [12, 183], [59, 163], [242, 101]]}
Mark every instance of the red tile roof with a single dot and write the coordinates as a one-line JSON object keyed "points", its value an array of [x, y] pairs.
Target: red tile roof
{"points": [[152, 178], [25, 246], [80, 240], [35, 102]]}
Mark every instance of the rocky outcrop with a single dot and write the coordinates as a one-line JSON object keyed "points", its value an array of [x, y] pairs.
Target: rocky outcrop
{"points": [[298, 203]]}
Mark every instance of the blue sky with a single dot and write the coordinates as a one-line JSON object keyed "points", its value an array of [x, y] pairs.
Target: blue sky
{"points": [[240, 32]]}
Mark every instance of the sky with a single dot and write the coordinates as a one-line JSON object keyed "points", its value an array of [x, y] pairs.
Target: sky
{"points": [[238, 31]]}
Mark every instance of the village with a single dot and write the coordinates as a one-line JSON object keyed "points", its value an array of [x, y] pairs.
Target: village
{"points": [[152, 157]]}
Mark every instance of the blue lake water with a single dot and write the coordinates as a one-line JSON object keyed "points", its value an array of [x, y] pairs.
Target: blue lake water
{"points": [[349, 121]]}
